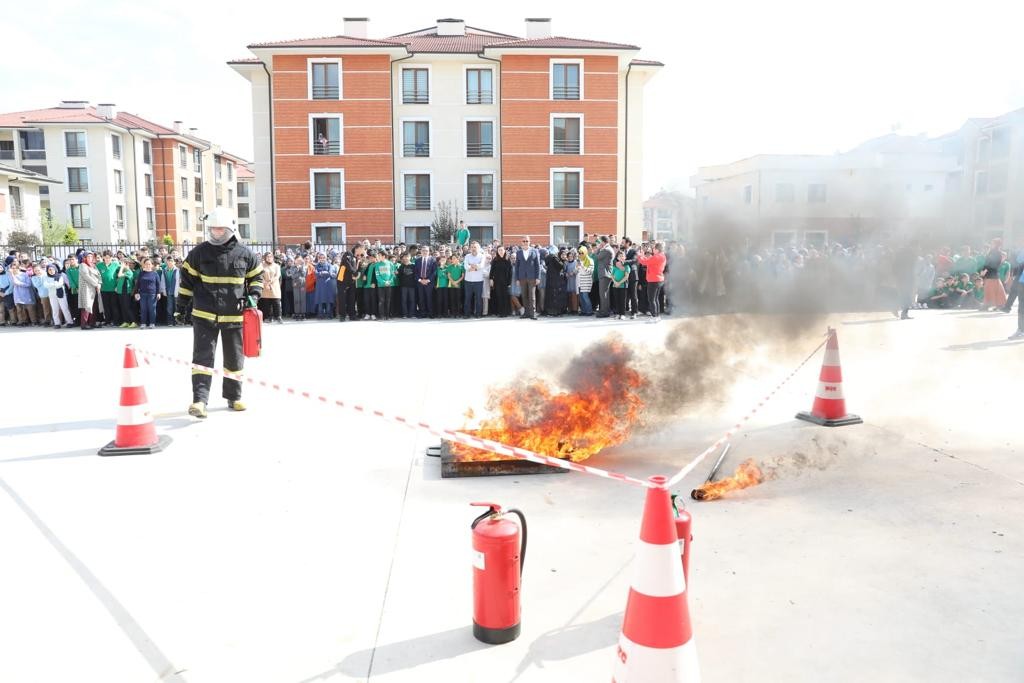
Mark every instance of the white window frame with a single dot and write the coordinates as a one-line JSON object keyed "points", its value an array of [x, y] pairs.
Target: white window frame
{"points": [[248, 228], [183, 151], [312, 187], [341, 131], [430, 134], [551, 189], [432, 194], [85, 137], [147, 184], [551, 77], [120, 223], [120, 146], [71, 214], [551, 132], [334, 224], [183, 187], [551, 229], [185, 219], [485, 224], [466, 68], [824, 200], [88, 179], [146, 143], [465, 135], [150, 213], [118, 181], [465, 189], [404, 226], [400, 100], [310, 61]]}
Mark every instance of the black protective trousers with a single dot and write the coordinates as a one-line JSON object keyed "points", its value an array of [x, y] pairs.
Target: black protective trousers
{"points": [[204, 349]]}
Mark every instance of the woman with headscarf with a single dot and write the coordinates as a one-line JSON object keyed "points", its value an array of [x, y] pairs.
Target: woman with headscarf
{"points": [[571, 283], [89, 291], [270, 302], [56, 283], [6, 298], [297, 277], [585, 281], [554, 295], [995, 294], [501, 279]]}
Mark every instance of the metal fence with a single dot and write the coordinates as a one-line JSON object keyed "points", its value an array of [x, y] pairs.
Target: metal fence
{"points": [[63, 251]]}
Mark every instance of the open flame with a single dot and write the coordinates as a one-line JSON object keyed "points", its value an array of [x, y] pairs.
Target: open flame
{"points": [[596, 410], [746, 475]]}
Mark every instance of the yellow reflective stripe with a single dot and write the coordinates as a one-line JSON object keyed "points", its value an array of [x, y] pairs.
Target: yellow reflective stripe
{"points": [[254, 272], [222, 279], [204, 315], [216, 318], [201, 372], [234, 372], [184, 290], [229, 318], [192, 271]]}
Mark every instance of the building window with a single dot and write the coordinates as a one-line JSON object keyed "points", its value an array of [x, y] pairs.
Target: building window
{"points": [[784, 192], [325, 80], [118, 182], [198, 188], [480, 192], [231, 197], [479, 86], [748, 194], [782, 239], [327, 190], [184, 187], [182, 156], [565, 190], [80, 216], [231, 172], [74, 144], [147, 152], [78, 180], [115, 143], [150, 219], [417, 192], [243, 190], [119, 217], [33, 144], [197, 160], [326, 136], [243, 210], [416, 142], [566, 233], [17, 210], [565, 81], [7, 150], [147, 180], [44, 190], [483, 234], [218, 169], [329, 233], [479, 138], [218, 195], [415, 86], [243, 231], [817, 193], [184, 220], [566, 132], [417, 234], [816, 238]]}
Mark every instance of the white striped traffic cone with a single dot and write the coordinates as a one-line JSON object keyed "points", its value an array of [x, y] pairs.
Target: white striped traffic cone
{"points": [[136, 433], [829, 407], [656, 644]]}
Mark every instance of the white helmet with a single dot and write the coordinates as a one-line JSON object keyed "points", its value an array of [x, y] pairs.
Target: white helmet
{"points": [[221, 217]]}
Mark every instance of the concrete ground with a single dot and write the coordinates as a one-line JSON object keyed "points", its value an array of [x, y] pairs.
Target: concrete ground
{"points": [[298, 543]]}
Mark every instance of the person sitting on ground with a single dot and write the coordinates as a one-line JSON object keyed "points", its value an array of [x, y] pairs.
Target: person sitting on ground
{"points": [[940, 295]]}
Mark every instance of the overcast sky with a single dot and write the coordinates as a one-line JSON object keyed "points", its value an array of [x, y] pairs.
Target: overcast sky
{"points": [[741, 78]]}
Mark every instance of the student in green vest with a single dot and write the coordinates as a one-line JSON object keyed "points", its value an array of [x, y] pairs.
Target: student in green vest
{"points": [[456, 274], [124, 286], [384, 279], [71, 270], [111, 307], [462, 235], [370, 287], [441, 288]]}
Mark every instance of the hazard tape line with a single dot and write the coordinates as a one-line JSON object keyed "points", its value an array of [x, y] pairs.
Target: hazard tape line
{"points": [[742, 422], [451, 435]]}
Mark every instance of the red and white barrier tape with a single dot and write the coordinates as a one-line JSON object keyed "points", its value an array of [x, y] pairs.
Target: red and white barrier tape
{"points": [[451, 435], [739, 425]]}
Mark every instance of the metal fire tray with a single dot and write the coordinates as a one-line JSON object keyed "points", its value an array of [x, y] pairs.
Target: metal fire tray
{"points": [[452, 468]]}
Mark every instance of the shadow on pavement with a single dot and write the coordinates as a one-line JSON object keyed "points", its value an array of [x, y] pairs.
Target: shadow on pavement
{"points": [[572, 641], [170, 421], [890, 319], [982, 345], [54, 456]]}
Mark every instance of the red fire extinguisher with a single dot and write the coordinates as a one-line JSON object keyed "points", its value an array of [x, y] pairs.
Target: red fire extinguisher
{"points": [[498, 557], [684, 532], [252, 332]]}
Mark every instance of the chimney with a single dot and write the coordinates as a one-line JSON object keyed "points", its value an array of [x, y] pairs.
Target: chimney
{"points": [[73, 104], [356, 27], [107, 111], [451, 27], [193, 132], [538, 28]]}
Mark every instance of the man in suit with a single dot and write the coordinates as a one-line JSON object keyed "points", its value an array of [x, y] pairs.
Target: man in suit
{"points": [[527, 272], [346, 303], [631, 284], [603, 266], [426, 275]]}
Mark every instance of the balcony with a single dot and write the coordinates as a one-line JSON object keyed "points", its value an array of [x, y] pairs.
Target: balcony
{"points": [[17, 212], [417, 203], [330, 200], [27, 154], [327, 148], [73, 151], [78, 187], [479, 149], [325, 92], [566, 201], [479, 97], [565, 92], [566, 147], [416, 149], [81, 224], [415, 97], [484, 203], [7, 154]]}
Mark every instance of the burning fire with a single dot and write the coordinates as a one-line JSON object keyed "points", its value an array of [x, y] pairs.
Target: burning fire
{"points": [[598, 411], [746, 475]]}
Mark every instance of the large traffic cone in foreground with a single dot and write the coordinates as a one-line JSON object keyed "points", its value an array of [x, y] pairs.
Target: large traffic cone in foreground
{"points": [[656, 644], [136, 433], [829, 407]]}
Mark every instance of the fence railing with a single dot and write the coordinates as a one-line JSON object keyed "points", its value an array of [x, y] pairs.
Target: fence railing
{"points": [[479, 149], [7, 154], [416, 149], [479, 97], [417, 203], [482, 203], [566, 92], [566, 146], [325, 92], [327, 201], [329, 147], [566, 201]]}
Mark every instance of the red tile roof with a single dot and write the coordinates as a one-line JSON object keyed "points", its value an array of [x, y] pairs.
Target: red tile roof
{"points": [[55, 114], [427, 40], [133, 121], [563, 42], [329, 41], [646, 62], [244, 172]]}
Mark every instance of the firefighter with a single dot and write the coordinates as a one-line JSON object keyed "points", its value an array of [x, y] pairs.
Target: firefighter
{"points": [[220, 277]]}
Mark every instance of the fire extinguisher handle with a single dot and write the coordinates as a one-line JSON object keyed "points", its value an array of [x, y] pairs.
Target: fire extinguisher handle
{"points": [[494, 509], [522, 523]]}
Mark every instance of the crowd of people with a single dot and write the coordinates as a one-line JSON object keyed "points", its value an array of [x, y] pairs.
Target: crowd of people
{"points": [[601, 276]]}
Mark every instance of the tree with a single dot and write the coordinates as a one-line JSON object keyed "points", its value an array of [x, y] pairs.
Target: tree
{"points": [[23, 241], [56, 232], [445, 223], [168, 241]]}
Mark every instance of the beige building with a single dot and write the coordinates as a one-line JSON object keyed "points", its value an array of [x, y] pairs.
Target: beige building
{"points": [[668, 217], [20, 205]]}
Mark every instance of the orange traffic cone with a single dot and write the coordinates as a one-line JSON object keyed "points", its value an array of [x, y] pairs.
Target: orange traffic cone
{"points": [[136, 433], [656, 644], [829, 405]]}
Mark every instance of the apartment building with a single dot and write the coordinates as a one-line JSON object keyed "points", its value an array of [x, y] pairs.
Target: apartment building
{"points": [[246, 198], [20, 205], [668, 216], [124, 178], [359, 138]]}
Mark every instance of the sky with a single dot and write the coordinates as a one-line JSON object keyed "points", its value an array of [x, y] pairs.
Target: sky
{"points": [[741, 78]]}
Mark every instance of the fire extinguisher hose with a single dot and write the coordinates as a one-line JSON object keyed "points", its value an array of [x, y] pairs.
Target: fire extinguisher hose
{"points": [[522, 549]]}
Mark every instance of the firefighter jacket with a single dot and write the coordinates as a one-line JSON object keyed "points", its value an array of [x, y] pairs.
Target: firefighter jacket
{"points": [[217, 279]]}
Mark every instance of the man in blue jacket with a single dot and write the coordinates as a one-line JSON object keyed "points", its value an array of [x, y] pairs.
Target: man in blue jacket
{"points": [[527, 272], [426, 273]]}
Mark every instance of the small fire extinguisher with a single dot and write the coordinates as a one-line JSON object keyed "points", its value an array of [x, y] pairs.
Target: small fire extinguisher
{"points": [[252, 332], [684, 532], [498, 557]]}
